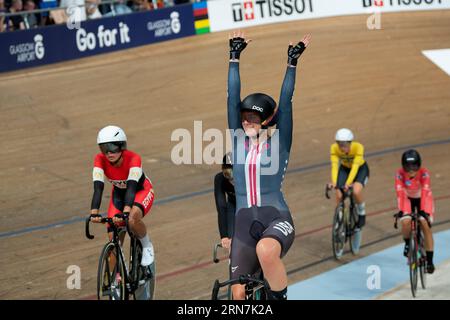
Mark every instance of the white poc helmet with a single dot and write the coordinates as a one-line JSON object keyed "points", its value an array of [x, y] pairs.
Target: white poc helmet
{"points": [[114, 135], [344, 134]]}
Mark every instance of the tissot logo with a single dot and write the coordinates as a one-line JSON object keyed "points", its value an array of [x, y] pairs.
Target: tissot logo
{"points": [[243, 10], [375, 3], [247, 10], [397, 3]]}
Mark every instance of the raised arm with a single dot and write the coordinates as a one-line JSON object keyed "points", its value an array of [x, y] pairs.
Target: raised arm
{"points": [[237, 45], [285, 109], [287, 92], [234, 95]]}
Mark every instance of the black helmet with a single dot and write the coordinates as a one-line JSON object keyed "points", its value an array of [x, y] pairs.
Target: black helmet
{"points": [[226, 161], [260, 103], [411, 160]]}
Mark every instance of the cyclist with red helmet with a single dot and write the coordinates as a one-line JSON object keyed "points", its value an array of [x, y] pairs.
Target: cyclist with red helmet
{"points": [[264, 230], [132, 191], [413, 187]]}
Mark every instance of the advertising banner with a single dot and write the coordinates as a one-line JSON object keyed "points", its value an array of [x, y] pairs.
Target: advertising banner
{"points": [[234, 14], [28, 48]]}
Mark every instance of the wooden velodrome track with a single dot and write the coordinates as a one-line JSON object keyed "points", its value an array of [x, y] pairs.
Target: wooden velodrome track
{"points": [[376, 82]]}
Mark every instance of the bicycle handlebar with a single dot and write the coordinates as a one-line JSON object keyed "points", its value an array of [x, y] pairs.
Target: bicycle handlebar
{"points": [[88, 234], [105, 220], [241, 280], [217, 246], [398, 215], [346, 194]]}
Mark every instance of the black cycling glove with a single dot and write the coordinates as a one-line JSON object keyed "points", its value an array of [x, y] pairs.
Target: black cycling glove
{"points": [[294, 52], [237, 45]]}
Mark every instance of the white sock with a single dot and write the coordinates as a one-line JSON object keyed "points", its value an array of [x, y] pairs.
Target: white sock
{"points": [[145, 241], [362, 209]]}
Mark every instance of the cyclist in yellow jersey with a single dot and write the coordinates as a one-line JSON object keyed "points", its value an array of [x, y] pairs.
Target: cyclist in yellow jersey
{"points": [[348, 168]]}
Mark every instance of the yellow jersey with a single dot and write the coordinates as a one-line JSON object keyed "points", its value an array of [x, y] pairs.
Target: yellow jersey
{"points": [[351, 160]]}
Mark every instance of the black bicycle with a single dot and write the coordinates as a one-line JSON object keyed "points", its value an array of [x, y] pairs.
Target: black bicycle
{"points": [[115, 279], [217, 260], [345, 224], [256, 287], [417, 260]]}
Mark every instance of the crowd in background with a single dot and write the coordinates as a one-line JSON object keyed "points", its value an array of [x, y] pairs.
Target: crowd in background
{"points": [[86, 9]]}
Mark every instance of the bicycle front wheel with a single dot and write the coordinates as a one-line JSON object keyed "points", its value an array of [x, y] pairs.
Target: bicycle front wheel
{"points": [[110, 275], [338, 233], [422, 264], [413, 264]]}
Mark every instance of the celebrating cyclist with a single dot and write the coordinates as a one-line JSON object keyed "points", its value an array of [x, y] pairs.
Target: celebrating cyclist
{"points": [[349, 169], [132, 192], [264, 230], [225, 200], [412, 184]]}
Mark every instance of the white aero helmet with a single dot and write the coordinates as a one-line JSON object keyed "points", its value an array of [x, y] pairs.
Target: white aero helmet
{"points": [[110, 137], [344, 134]]}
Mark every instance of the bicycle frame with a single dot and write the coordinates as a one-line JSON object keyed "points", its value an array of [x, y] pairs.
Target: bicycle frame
{"points": [[250, 289], [416, 254], [131, 281], [349, 221]]}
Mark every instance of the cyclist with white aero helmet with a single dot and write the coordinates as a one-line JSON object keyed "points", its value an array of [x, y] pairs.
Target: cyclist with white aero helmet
{"points": [[264, 230], [132, 191], [348, 168]]}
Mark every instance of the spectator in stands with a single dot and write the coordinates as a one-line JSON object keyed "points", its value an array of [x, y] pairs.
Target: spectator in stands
{"points": [[141, 5], [122, 8], [92, 10], [2, 17], [155, 4], [46, 4], [30, 20], [115, 9], [76, 9], [16, 22]]}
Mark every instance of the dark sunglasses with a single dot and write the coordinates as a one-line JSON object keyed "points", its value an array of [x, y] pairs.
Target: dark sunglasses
{"points": [[411, 167], [110, 147], [251, 118], [343, 144]]}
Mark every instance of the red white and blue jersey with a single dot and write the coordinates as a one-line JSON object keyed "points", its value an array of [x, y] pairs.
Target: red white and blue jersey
{"points": [[259, 170]]}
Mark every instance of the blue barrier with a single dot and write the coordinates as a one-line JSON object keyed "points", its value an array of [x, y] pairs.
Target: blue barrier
{"points": [[36, 47]]}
